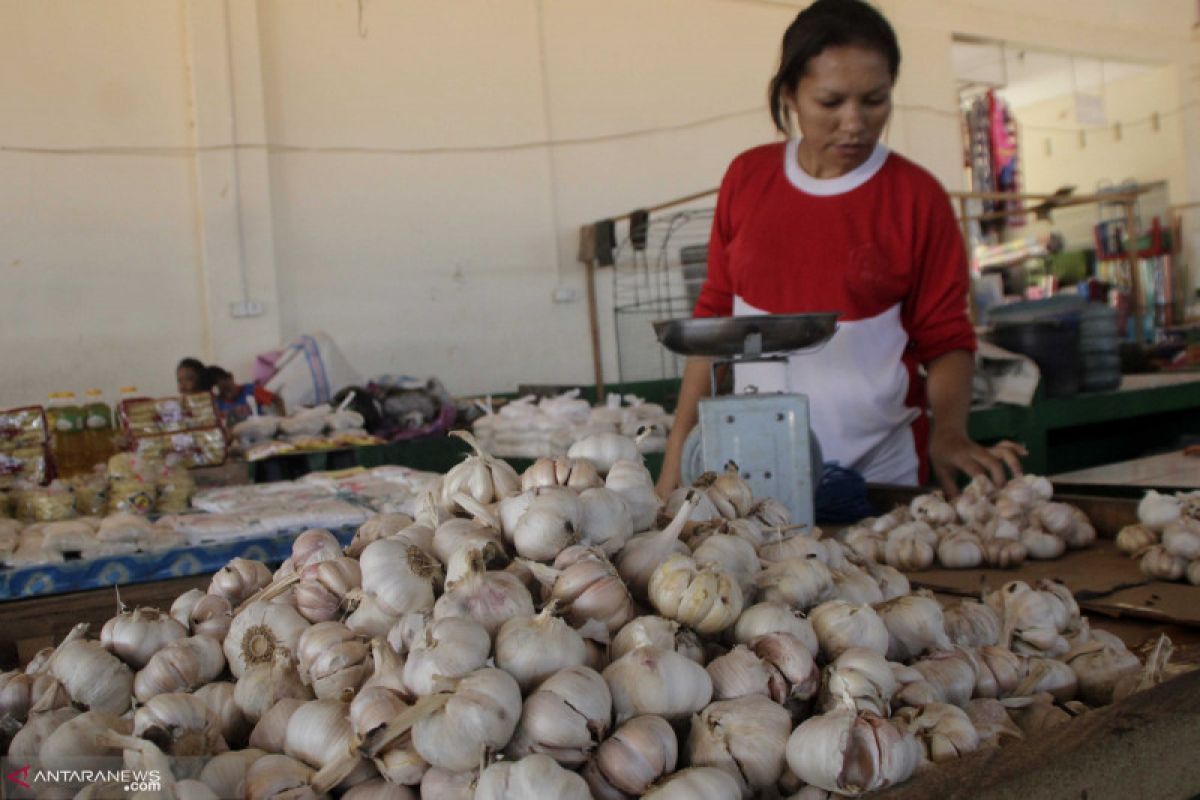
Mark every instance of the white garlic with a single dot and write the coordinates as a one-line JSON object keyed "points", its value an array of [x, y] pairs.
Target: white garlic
{"points": [[533, 776], [952, 673], [1048, 675], [489, 598], [734, 555], [571, 472], [906, 549], [1004, 553], [378, 789], [730, 485], [659, 632], [1099, 665], [258, 630], [840, 625], [1156, 511], [797, 545], [566, 718], [181, 725], [225, 774], [1042, 545], [181, 609], [482, 713], [633, 482], [449, 648], [135, 636], [586, 584], [480, 476], [706, 599], [271, 730], [866, 543], [79, 738], [239, 579], [993, 725], [605, 521], [858, 679], [183, 665], [1029, 624], [651, 680], [915, 625], [332, 659], [377, 526], [95, 678], [400, 577], [1158, 563], [744, 737], [313, 545], [960, 551], [697, 783], [637, 754], [549, 525], [319, 734], [891, 581], [233, 725], [279, 776], [770, 513], [1133, 539], [324, 587], [1081, 533], [972, 624], [767, 617], [849, 753], [932, 508], [643, 553], [944, 731], [798, 582], [855, 586], [441, 784], [211, 615]]}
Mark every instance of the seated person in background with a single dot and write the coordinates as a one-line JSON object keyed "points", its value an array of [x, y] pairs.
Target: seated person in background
{"points": [[233, 399], [191, 376]]}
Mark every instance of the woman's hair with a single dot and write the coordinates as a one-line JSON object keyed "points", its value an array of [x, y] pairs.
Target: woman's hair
{"points": [[828, 23], [203, 382], [215, 373]]}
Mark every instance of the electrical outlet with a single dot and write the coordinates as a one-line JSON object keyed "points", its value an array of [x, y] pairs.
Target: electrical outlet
{"points": [[246, 308], [565, 294]]}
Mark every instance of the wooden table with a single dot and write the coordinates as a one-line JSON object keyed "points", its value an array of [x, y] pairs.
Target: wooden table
{"points": [[1164, 471]]}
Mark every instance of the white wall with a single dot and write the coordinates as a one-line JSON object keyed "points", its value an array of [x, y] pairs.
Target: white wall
{"points": [[393, 184]]}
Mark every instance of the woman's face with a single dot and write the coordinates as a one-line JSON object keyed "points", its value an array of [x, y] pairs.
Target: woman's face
{"points": [[842, 104], [186, 380]]}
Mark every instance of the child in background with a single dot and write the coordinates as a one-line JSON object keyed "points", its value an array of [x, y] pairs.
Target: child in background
{"points": [[233, 400], [191, 376]]}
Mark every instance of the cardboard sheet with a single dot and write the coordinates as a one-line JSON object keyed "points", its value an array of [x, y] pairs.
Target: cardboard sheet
{"points": [[1154, 600]]}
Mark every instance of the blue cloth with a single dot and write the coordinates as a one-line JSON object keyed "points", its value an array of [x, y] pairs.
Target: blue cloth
{"points": [[841, 496]]}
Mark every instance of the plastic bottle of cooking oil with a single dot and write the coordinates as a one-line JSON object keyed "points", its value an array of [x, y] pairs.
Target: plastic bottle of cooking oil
{"points": [[99, 431], [65, 418]]}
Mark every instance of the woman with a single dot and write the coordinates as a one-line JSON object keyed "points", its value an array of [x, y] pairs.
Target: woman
{"points": [[832, 221]]}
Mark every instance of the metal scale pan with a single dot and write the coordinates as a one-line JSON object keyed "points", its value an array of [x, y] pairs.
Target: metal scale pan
{"points": [[767, 435]]}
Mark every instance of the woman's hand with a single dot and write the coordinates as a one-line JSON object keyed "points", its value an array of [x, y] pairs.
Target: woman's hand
{"points": [[952, 451]]}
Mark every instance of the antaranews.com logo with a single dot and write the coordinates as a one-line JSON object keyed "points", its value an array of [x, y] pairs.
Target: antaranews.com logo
{"points": [[33, 779]]}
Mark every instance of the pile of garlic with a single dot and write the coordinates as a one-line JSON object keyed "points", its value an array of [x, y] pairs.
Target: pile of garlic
{"points": [[1166, 537], [543, 635], [983, 527]]}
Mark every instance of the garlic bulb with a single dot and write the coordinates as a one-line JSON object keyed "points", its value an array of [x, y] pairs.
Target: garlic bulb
{"points": [[797, 545], [448, 649], [993, 725], [271, 730], [135, 636], [849, 753], [480, 715], [574, 473], [960, 551], [626, 764], [332, 660], [604, 450], [1133, 539], [798, 582], [532, 649], [15, 688], [770, 513], [239, 579], [1156, 511], [1158, 563], [264, 684], [731, 486], [705, 599], [865, 543], [586, 584], [319, 734], [27, 742], [643, 553], [1081, 533], [999, 668], [95, 678], [184, 665], [257, 631], [386, 670], [734, 555], [1030, 627], [479, 476], [233, 725], [324, 586], [400, 577], [566, 718], [77, 739], [278, 776], [633, 482], [651, 680], [605, 521], [952, 673], [944, 731], [971, 624], [379, 526], [840, 625], [697, 783], [858, 679], [932, 509], [1036, 714], [181, 725], [549, 525], [211, 615], [1182, 541], [1004, 553], [891, 581], [1042, 545], [181, 609], [370, 711], [407, 631], [855, 586], [225, 774], [489, 598], [906, 549], [776, 665], [915, 625], [764, 618], [378, 789], [1048, 675], [659, 632], [746, 738], [313, 545], [1099, 664], [739, 673], [533, 776], [441, 784]]}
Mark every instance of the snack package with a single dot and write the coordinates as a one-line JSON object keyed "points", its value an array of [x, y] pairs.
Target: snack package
{"points": [[25, 464], [197, 448], [23, 427], [45, 504], [175, 490], [132, 495], [145, 416], [91, 494]]}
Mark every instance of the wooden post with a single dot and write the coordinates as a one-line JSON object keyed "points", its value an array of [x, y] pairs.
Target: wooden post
{"points": [[594, 324], [973, 307], [1135, 277]]}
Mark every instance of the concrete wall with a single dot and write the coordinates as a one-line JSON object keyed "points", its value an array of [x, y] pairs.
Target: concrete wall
{"points": [[408, 176]]}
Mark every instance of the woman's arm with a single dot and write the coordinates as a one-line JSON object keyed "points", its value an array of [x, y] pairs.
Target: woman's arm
{"points": [[951, 450], [696, 384]]}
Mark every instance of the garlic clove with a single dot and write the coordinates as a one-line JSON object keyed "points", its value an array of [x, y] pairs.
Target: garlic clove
{"points": [[745, 737]]}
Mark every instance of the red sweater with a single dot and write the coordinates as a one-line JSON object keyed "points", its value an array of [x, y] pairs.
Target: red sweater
{"points": [[881, 246]]}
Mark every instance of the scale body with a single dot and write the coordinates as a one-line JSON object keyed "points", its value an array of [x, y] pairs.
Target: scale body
{"points": [[767, 435]]}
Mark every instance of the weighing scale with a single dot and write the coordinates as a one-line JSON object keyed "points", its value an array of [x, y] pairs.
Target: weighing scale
{"points": [[767, 435]]}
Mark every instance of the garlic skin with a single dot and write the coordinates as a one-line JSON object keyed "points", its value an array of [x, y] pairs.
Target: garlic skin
{"points": [[231, 722], [533, 776], [1099, 665], [258, 630], [651, 680], [566, 718], [184, 665], [212, 615], [637, 754], [605, 521], [95, 678], [840, 626], [797, 582], [401, 577], [914, 624], [1158, 563], [1041, 545], [279, 776], [952, 673], [225, 774], [633, 482], [319, 735], [855, 586], [261, 686], [441, 784], [379, 526], [659, 632], [135, 636], [448, 649], [1157, 511], [960, 551], [271, 730], [858, 680], [849, 753], [332, 660], [490, 598], [697, 783], [906, 549], [482, 713], [744, 737], [1030, 626], [532, 649], [239, 579], [891, 581], [705, 599], [378, 789], [585, 583], [971, 624], [944, 731], [313, 545], [993, 725], [480, 476], [1133, 539], [767, 617], [932, 509], [181, 725]]}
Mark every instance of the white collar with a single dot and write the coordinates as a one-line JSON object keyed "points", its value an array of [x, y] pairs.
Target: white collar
{"points": [[826, 187]]}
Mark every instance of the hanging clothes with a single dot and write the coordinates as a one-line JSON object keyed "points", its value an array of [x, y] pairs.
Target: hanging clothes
{"points": [[1002, 131]]}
